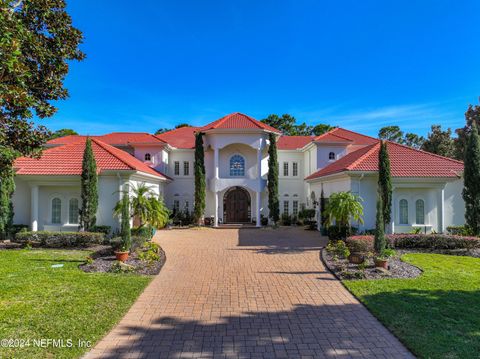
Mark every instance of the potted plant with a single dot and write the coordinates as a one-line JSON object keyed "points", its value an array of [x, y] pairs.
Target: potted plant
{"points": [[126, 243], [381, 260], [358, 248]]}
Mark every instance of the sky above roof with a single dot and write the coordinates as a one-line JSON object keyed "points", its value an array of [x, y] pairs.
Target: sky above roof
{"points": [[356, 64]]}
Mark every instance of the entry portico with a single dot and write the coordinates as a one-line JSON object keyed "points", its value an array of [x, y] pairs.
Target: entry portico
{"points": [[239, 163]]}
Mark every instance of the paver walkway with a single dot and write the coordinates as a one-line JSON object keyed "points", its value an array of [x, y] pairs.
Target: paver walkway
{"points": [[246, 293]]}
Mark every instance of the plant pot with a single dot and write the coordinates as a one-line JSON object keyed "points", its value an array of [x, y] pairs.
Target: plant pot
{"points": [[121, 256], [356, 258], [381, 263]]}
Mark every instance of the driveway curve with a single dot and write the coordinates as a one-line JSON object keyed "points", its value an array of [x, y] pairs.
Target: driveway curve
{"points": [[246, 293]]}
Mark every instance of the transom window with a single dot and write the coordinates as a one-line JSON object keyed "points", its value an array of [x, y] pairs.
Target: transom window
{"points": [[56, 210], [331, 156], [295, 169], [420, 211], [73, 211], [403, 211], [148, 157], [237, 166]]}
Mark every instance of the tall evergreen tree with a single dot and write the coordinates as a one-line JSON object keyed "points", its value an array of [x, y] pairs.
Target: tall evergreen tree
{"points": [[7, 186], [471, 190], [380, 242], [89, 188], [200, 184], [323, 206], [385, 182], [273, 203]]}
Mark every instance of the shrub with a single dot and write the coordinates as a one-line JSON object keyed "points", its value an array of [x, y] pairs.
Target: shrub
{"points": [[307, 213], [137, 242], [60, 239], [144, 231], [149, 253], [286, 220], [101, 229], [338, 248], [459, 230], [423, 241], [263, 220], [336, 233], [360, 244], [16, 228]]}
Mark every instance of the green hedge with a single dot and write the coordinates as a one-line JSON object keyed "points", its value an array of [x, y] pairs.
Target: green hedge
{"points": [[414, 241], [60, 239], [101, 229], [459, 231]]}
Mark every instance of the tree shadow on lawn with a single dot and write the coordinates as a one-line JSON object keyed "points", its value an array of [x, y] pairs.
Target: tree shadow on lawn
{"points": [[432, 323], [331, 331], [281, 240]]}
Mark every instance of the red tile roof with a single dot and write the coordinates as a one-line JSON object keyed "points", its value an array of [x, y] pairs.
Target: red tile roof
{"points": [[293, 142], [114, 138], [238, 120], [404, 162], [342, 135], [67, 160], [183, 137]]}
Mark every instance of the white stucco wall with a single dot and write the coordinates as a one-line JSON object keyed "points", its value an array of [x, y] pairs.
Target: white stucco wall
{"points": [[323, 153], [21, 202], [291, 188], [454, 204]]}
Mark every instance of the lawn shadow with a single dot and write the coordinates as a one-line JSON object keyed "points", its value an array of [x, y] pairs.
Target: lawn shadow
{"points": [[327, 331]]}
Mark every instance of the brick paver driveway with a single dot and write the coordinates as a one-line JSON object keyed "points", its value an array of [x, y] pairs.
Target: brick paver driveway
{"points": [[247, 293]]}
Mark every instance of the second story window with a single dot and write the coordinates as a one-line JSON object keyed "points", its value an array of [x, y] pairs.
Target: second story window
{"points": [[186, 168], [331, 156], [176, 168], [285, 169], [294, 169], [237, 166], [148, 157]]}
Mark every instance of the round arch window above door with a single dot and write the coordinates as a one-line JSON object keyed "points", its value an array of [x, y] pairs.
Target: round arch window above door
{"points": [[237, 166]]}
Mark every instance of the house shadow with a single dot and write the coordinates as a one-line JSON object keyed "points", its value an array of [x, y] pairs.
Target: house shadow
{"points": [[282, 240], [316, 331]]}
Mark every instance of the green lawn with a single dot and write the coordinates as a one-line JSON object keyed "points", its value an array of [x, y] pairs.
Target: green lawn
{"points": [[41, 302], [436, 315]]}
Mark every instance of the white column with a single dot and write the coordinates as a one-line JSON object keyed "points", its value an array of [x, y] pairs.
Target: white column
{"points": [[215, 224], [215, 161], [34, 208], [259, 193], [442, 210]]}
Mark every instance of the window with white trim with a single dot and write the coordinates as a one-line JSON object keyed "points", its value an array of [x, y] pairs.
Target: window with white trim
{"points": [[285, 169], [285, 207], [73, 211], [237, 166], [420, 211], [403, 204], [176, 168], [294, 169], [176, 205], [186, 168], [56, 210], [295, 208], [148, 157], [331, 156]]}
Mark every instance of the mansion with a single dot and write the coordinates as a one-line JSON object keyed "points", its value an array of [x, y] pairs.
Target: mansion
{"points": [[426, 187]]}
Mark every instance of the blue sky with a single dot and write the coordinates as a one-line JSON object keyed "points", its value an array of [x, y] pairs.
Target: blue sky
{"points": [[357, 64]]}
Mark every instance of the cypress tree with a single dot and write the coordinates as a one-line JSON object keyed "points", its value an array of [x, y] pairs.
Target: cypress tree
{"points": [[323, 205], [471, 190], [273, 203], [89, 188], [380, 241], [7, 187], [200, 183], [125, 224], [385, 182]]}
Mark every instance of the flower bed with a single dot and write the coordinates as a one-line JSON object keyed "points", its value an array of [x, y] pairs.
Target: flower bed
{"points": [[60, 239]]}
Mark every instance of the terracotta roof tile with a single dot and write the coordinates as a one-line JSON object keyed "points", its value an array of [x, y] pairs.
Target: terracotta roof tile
{"points": [[67, 160], [293, 142], [183, 137], [114, 138], [240, 121], [404, 162]]}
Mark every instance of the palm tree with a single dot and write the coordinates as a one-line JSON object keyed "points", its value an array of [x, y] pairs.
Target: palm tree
{"points": [[343, 206], [146, 206]]}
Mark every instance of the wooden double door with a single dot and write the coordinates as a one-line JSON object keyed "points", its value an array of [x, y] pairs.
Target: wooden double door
{"points": [[236, 206]]}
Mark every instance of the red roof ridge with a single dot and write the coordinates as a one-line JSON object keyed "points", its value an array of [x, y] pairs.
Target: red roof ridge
{"points": [[426, 152], [106, 146], [331, 132], [356, 133]]}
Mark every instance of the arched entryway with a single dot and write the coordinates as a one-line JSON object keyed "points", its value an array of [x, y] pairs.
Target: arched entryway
{"points": [[236, 206]]}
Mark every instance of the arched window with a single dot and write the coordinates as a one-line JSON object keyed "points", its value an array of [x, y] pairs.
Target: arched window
{"points": [[403, 211], [331, 156], [237, 166], [420, 211], [56, 210], [148, 157], [73, 211]]}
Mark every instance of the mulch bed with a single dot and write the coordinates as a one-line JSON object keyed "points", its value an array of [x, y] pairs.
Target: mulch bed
{"points": [[343, 269], [104, 259]]}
